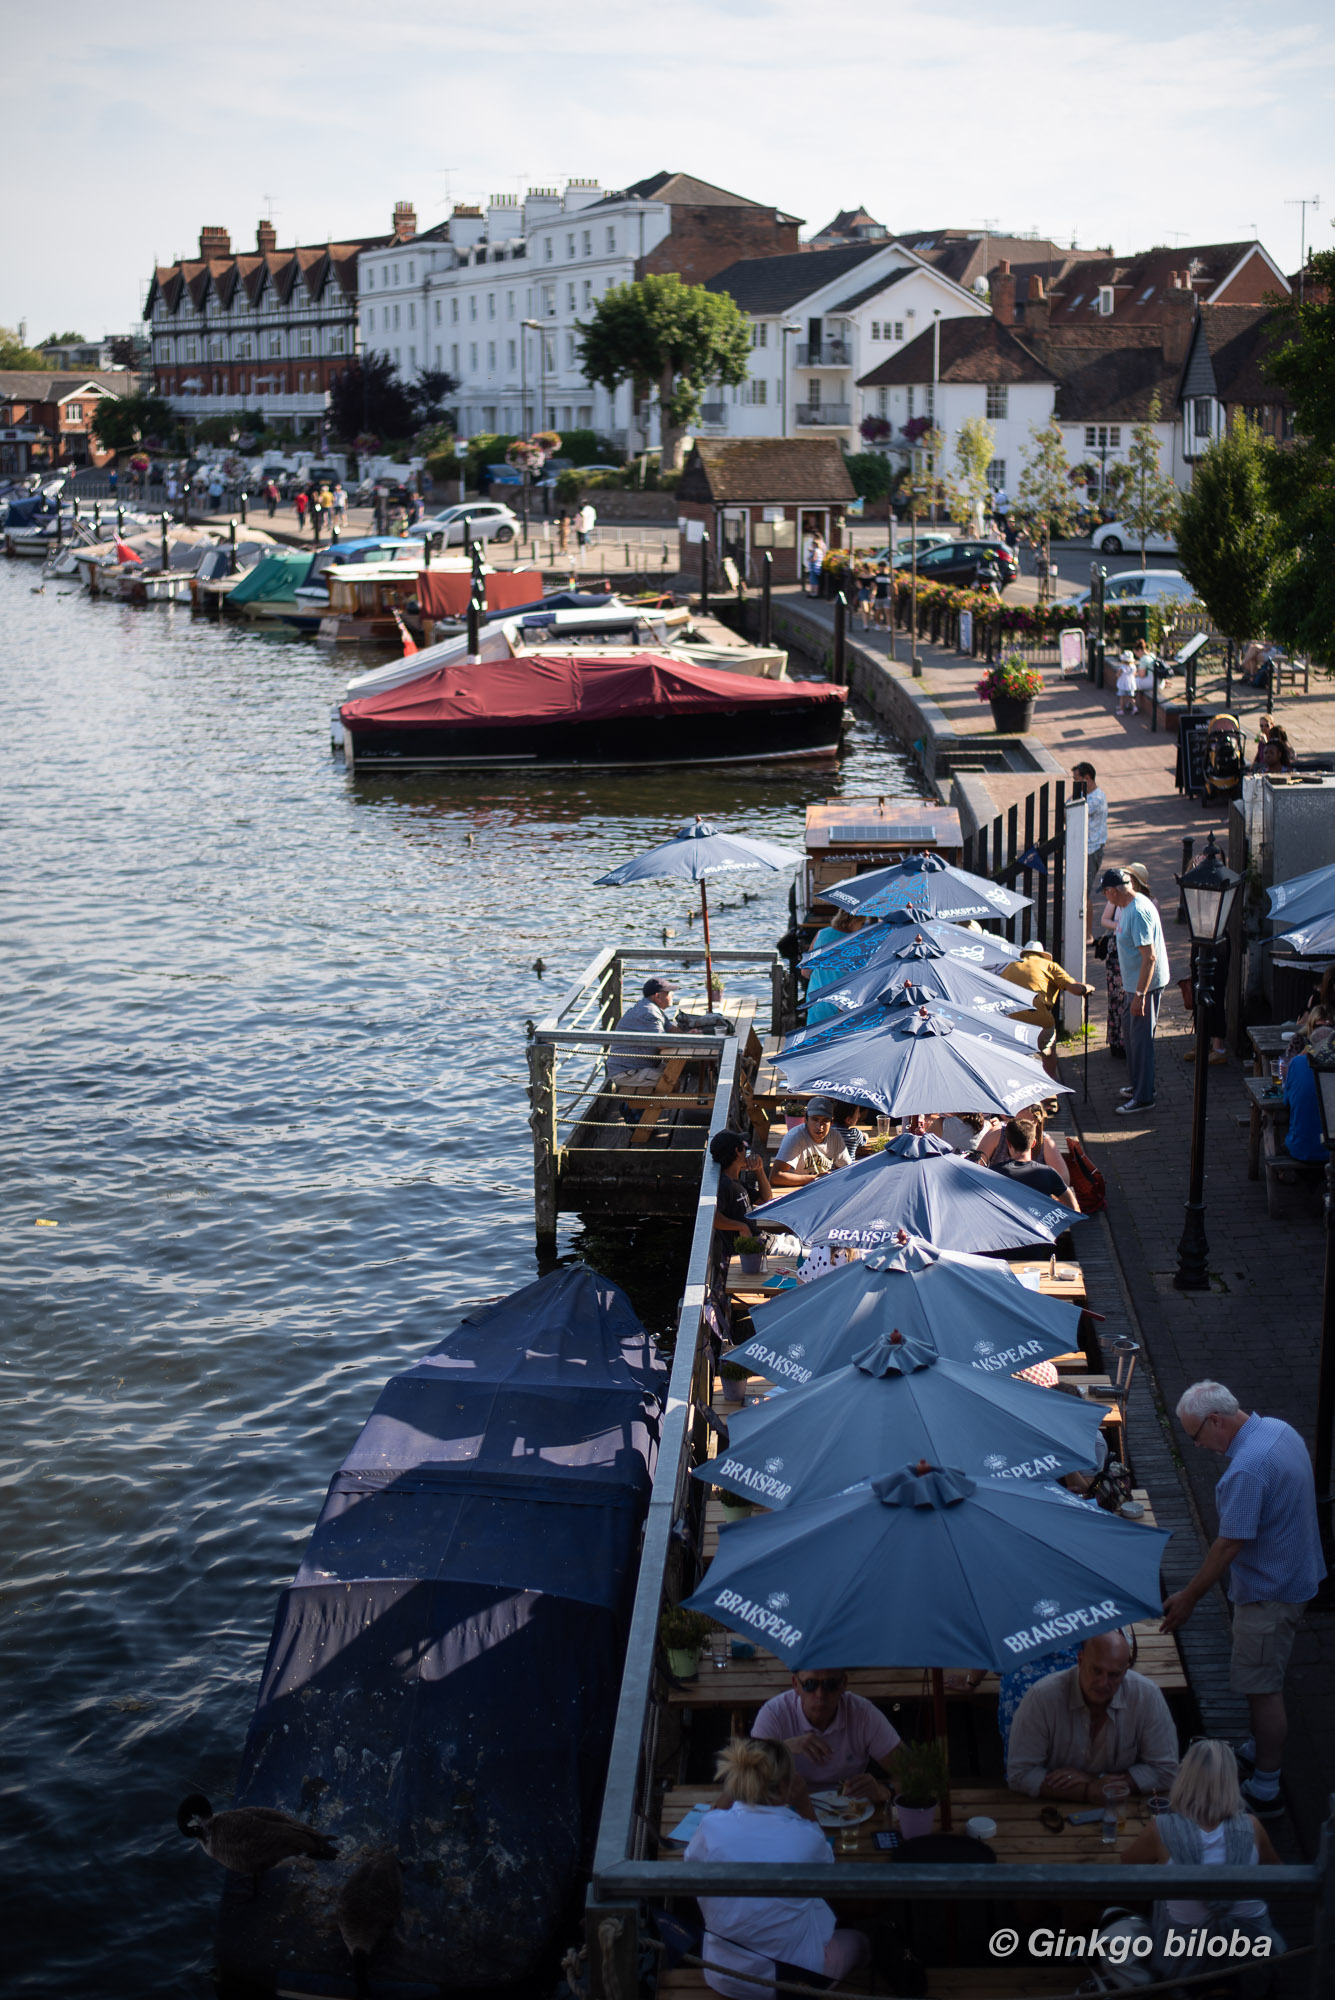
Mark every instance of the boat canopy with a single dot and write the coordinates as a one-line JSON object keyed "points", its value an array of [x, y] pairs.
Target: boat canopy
{"points": [[277, 576], [444, 593]]}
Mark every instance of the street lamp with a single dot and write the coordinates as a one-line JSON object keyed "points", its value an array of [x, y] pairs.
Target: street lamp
{"points": [[1322, 1063], [1208, 890]]}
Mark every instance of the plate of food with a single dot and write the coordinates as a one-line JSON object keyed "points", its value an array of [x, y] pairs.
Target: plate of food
{"points": [[833, 1809]]}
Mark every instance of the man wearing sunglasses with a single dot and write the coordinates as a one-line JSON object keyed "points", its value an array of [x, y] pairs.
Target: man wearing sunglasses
{"points": [[1269, 1547], [831, 1735]]}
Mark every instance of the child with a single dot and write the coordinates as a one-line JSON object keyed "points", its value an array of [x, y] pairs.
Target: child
{"points": [[1126, 685], [864, 577]]}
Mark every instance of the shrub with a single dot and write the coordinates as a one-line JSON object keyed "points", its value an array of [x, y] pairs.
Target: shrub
{"points": [[924, 1775], [682, 1630]]}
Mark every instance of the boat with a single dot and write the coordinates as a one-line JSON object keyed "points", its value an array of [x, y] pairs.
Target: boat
{"points": [[594, 710], [443, 1673], [295, 592]]}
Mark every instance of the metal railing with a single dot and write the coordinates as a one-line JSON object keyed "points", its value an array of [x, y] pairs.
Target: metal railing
{"points": [[824, 354], [815, 414]]}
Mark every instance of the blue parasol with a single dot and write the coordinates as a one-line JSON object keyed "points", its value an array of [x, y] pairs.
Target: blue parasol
{"points": [[1304, 900], [929, 886], [1311, 940], [859, 948], [970, 1309], [959, 1571], [900, 1400], [917, 1064], [921, 1185], [934, 970], [908, 997], [695, 852]]}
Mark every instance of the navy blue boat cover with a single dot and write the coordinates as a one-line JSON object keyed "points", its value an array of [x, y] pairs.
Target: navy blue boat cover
{"points": [[443, 1673]]}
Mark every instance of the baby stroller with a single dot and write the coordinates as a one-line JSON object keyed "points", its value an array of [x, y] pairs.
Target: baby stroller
{"points": [[1225, 761]]}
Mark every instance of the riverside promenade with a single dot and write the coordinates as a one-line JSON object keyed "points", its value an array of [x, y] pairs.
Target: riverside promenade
{"points": [[1258, 1327]]}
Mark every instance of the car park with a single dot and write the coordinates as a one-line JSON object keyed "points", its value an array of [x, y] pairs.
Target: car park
{"points": [[1116, 538]]}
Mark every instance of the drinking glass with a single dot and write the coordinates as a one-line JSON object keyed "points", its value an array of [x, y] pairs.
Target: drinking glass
{"points": [[1115, 1796], [884, 1125], [720, 1648]]}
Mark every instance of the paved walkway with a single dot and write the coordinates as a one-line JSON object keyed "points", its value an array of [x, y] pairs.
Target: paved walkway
{"points": [[1258, 1327]]}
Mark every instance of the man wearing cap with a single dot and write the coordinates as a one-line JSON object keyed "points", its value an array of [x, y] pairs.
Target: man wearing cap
{"points": [[1036, 971], [633, 1067], [812, 1148], [1142, 958]]}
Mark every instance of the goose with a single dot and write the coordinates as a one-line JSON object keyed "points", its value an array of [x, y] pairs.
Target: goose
{"points": [[369, 1905], [250, 1839]]}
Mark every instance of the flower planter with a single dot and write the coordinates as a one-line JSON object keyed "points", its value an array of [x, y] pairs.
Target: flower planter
{"points": [[684, 1662], [736, 1511], [1011, 718], [752, 1262], [915, 1821], [734, 1388]]}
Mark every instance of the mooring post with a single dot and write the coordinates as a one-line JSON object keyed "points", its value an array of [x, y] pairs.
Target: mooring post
{"points": [[766, 585], [611, 1933], [840, 620], [542, 1120]]}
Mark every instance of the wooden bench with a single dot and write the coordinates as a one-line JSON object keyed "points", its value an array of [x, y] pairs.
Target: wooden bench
{"points": [[1292, 1187]]}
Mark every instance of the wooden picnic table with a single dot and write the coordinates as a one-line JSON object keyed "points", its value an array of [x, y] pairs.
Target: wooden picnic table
{"points": [[668, 1093], [1020, 1836], [1269, 1039], [1266, 1104]]}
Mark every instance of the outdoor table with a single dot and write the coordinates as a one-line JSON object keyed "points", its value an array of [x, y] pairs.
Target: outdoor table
{"points": [[1269, 1039], [1264, 1106], [667, 1094]]}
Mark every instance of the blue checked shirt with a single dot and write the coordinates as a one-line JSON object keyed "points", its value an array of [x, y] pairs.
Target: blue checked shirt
{"points": [[1267, 1499]]}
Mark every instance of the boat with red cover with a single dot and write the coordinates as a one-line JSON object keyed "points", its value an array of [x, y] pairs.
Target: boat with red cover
{"points": [[559, 708]]}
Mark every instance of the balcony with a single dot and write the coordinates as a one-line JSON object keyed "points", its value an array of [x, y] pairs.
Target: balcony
{"points": [[824, 354], [823, 416]]}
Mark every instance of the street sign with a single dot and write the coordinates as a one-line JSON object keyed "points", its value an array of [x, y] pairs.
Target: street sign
{"points": [[461, 447]]}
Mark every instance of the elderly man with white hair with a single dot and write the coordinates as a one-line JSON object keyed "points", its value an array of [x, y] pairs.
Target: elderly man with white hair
{"points": [[1270, 1547]]}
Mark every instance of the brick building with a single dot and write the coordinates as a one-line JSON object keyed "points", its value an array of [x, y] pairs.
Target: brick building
{"points": [[752, 494], [46, 420], [264, 330], [1225, 376]]}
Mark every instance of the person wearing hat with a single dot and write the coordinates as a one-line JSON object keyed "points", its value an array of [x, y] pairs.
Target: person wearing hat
{"points": [[1126, 684], [812, 1148], [634, 1067], [1036, 971], [1142, 956]]}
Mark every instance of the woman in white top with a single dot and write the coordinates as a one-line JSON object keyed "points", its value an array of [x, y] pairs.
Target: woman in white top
{"points": [[1206, 1825], [766, 1936]]}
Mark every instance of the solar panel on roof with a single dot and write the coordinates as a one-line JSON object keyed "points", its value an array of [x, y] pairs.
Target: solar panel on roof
{"points": [[882, 830]]}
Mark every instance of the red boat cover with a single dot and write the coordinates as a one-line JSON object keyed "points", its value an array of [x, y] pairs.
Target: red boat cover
{"points": [[444, 593], [571, 687]]}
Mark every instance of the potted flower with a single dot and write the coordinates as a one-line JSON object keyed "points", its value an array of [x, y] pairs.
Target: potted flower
{"points": [[924, 1778], [734, 1379], [1012, 689], [734, 1507], [751, 1251], [683, 1634]]}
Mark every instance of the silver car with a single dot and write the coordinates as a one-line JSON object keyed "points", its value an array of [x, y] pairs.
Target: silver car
{"points": [[474, 520], [1144, 586]]}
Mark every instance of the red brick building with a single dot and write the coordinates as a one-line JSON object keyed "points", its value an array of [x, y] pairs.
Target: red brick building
{"points": [[46, 419]]}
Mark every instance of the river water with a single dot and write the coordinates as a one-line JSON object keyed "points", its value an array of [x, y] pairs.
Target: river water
{"points": [[263, 1032]]}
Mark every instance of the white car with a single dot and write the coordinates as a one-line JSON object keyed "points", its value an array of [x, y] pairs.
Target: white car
{"points": [[1144, 586], [1115, 538], [483, 521]]}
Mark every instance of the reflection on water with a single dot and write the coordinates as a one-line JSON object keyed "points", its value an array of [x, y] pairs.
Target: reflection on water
{"points": [[265, 1074]]}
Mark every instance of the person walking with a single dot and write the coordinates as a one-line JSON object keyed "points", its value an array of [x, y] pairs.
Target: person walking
{"points": [[815, 556], [1097, 800], [584, 524], [301, 504], [215, 490], [271, 497], [1269, 1546], [1142, 957], [339, 501]]}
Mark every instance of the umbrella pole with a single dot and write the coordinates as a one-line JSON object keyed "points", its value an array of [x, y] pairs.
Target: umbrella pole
{"points": [[709, 963], [939, 1724], [1086, 1004]]}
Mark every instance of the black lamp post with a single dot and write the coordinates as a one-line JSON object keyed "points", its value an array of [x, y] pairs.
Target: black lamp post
{"points": [[1208, 890], [1323, 1068]]}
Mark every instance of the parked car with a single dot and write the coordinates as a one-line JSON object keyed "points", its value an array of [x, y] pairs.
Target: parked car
{"points": [[962, 562], [1114, 538], [928, 538], [485, 521], [1144, 586]]}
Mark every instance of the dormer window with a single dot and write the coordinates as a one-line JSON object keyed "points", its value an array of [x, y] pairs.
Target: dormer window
{"points": [[1105, 301]]}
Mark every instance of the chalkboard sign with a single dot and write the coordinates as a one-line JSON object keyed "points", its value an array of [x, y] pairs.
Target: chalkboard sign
{"points": [[1191, 734]]}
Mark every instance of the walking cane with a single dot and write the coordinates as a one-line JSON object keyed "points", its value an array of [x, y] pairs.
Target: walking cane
{"points": [[1085, 1004]]}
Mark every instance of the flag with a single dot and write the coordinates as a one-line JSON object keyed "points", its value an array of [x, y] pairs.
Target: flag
{"points": [[124, 553]]}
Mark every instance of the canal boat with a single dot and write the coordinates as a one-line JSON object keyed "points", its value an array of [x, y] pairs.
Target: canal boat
{"points": [[443, 1673], [593, 710]]}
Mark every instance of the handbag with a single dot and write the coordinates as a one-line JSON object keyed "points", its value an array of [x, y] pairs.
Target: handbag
{"points": [[1087, 1183], [1187, 989], [1101, 945]]}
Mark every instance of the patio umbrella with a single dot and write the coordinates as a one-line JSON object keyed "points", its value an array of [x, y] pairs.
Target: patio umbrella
{"points": [[929, 1567], [928, 885], [909, 997], [972, 1310], [919, 1184], [859, 948], [1314, 938], [929, 966], [898, 1400], [695, 852], [1304, 898], [915, 1064]]}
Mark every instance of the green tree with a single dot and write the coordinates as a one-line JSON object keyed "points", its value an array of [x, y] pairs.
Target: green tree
{"points": [[13, 353], [60, 339], [975, 449], [873, 473], [1149, 504], [367, 395], [663, 333], [1301, 603], [1044, 504], [1228, 531], [122, 423]]}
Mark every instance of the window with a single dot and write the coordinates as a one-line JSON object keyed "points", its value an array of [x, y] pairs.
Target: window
{"points": [[549, 301], [1201, 417], [570, 244], [572, 351], [509, 305], [996, 474], [908, 394], [588, 293], [216, 347], [754, 392], [412, 313], [510, 357], [588, 243], [396, 274], [759, 333], [491, 356], [549, 355], [384, 274], [547, 249], [336, 341], [611, 242], [454, 359], [412, 357], [437, 312], [998, 397], [243, 347], [275, 347], [929, 399], [899, 329], [163, 349], [1105, 304], [396, 319], [570, 298], [410, 270], [370, 277], [472, 356], [454, 312], [370, 319], [74, 413], [876, 329], [472, 305], [491, 305], [437, 357]]}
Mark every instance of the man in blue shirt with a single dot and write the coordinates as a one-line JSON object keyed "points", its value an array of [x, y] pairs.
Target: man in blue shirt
{"points": [[1142, 957], [1270, 1546], [1304, 1139]]}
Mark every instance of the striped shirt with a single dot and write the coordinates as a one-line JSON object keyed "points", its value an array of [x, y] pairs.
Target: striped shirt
{"points": [[1267, 1499]]}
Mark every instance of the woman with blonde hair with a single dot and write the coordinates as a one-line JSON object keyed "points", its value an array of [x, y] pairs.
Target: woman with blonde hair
{"points": [[766, 1937], [1206, 1825]]}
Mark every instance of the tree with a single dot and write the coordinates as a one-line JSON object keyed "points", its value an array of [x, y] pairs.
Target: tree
{"points": [[659, 331], [430, 394], [1149, 500], [368, 396], [61, 339], [1228, 532], [969, 492], [1044, 504], [874, 474], [121, 423], [13, 353], [1301, 603]]}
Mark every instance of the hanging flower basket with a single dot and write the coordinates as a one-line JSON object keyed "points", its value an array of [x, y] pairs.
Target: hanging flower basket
{"points": [[1011, 689]]}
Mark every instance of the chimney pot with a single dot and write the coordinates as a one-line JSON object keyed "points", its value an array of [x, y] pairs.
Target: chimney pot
{"points": [[266, 237], [1001, 291], [405, 221], [214, 242], [1037, 289]]}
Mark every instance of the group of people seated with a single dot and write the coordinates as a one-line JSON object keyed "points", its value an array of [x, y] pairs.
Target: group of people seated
{"points": [[1086, 1730]]}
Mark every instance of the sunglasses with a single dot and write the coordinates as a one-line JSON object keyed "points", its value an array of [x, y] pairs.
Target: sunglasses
{"points": [[820, 1683]]}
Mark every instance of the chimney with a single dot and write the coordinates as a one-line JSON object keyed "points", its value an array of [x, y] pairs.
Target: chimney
{"points": [[405, 221], [214, 242], [1001, 289], [1179, 319], [1037, 306], [266, 237]]}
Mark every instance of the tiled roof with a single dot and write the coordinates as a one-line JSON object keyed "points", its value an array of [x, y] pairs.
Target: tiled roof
{"points": [[873, 290], [1240, 338], [1140, 282], [967, 255], [972, 350], [1112, 384], [773, 284], [252, 270], [33, 385], [757, 470]]}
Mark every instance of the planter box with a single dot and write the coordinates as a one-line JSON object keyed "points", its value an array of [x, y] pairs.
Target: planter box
{"points": [[1011, 718]]}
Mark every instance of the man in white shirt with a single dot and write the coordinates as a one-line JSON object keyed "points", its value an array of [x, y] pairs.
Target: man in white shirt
{"points": [[831, 1735], [812, 1148], [1097, 800]]}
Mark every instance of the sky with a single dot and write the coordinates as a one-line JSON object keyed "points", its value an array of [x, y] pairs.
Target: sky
{"points": [[1173, 123]]}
